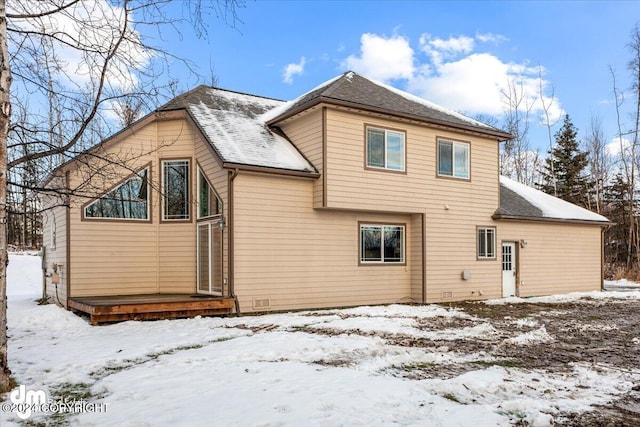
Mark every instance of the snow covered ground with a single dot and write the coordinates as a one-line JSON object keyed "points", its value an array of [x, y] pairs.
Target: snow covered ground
{"points": [[275, 370]]}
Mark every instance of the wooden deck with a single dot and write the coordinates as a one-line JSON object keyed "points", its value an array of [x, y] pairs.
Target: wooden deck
{"points": [[117, 308]]}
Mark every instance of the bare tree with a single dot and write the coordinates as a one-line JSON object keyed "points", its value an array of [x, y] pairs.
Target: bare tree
{"points": [[5, 115], [634, 68], [599, 164], [514, 159], [547, 103], [78, 59]]}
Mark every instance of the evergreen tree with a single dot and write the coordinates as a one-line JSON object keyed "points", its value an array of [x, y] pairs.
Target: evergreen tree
{"points": [[619, 248], [564, 170]]}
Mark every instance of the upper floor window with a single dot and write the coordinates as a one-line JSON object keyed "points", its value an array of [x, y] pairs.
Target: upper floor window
{"points": [[208, 202], [129, 200], [175, 190], [381, 243], [453, 159], [385, 149]]}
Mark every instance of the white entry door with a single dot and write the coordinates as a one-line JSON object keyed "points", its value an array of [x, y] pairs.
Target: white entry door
{"points": [[508, 269], [209, 253]]}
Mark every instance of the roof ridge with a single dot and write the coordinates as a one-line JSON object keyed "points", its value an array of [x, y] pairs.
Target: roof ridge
{"points": [[333, 86], [181, 96], [244, 93]]}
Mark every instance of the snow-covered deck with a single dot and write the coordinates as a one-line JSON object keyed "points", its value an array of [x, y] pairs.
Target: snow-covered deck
{"points": [[116, 308]]}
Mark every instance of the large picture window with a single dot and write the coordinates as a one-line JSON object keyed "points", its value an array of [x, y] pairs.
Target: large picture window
{"points": [[486, 243], [208, 202], [453, 159], [175, 190], [385, 149], [381, 244], [129, 200]]}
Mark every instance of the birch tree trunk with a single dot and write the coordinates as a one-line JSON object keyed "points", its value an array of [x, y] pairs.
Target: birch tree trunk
{"points": [[5, 114]]}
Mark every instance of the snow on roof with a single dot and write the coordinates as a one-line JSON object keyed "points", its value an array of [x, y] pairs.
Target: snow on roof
{"points": [[231, 123], [550, 206]]}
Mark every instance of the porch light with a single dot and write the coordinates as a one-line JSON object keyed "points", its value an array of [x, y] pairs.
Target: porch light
{"points": [[221, 224], [523, 243]]}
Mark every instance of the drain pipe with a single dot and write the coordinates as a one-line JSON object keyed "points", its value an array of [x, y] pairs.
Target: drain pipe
{"points": [[232, 176]]}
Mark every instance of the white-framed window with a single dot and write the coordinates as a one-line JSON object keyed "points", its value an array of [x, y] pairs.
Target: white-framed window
{"points": [[175, 190], [486, 243], [381, 244], [385, 149], [126, 201], [453, 159], [208, 202], [52, 230]]}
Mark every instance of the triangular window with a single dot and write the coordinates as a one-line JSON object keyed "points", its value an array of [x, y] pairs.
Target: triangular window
{"points": [[129, 200], [208, 202]]}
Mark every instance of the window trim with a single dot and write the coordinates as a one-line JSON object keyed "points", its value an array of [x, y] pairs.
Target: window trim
{"points": [[382, 224], [189, 190], [149, 218], [53, 231], [385, 129], [199, 172], [486, 228], [454, 142]]}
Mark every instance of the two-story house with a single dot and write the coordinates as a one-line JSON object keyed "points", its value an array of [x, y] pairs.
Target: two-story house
{"points": [[354, 193]]}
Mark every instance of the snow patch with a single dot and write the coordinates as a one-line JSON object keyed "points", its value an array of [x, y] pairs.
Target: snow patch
{"points": [[167, 373], [533, 337]]}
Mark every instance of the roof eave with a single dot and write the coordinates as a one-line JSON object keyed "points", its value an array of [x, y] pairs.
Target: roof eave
{"points": [[499, 216], [271, 170], [503, 136]]}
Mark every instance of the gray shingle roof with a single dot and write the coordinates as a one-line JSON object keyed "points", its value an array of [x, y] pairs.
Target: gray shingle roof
{"points": [[512, 204], [518, 201], [355, 90]]}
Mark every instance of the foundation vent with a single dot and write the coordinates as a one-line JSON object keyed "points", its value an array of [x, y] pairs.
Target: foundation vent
{"points": [[261, 303], [447, 295]]}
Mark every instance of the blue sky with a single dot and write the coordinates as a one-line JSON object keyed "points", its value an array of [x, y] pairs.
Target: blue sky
{"points": [[457, 54]]}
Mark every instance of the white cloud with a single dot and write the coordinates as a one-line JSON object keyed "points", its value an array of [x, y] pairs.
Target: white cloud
{"points": [[383, 58], [450, 72], [617, 145], [293, 69], [490, 38], [472, 84], [453, 45]]}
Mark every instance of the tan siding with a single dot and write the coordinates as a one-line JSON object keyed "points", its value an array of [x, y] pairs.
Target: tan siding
{"points": [[306, 134], [453, 207], [558, 258], [416, 257], [55, 254], [350, 185], [177, 241], [298, 257], [116, 257]]}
